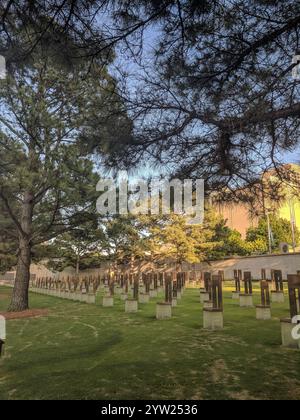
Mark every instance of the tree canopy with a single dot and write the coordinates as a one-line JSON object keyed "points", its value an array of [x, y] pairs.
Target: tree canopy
{"points": [[217, 99]]}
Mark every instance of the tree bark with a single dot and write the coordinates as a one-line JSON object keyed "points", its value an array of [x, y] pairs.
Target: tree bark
{"points": [[77, 265], [20, 301]]}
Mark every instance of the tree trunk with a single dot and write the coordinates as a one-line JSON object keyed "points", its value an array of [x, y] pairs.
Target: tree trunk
{"points": [[20, 301], [77, 266]]}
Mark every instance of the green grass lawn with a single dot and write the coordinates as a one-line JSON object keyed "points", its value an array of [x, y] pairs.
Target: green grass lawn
{"points": [[82, 351]]}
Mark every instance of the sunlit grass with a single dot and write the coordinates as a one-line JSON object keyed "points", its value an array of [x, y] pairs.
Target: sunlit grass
{"points": [[82, 351]]}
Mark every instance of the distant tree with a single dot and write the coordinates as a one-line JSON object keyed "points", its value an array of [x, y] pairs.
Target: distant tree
{"points": [[172, 237], [124, 239], [219, 101], [230, 242], [281, 232], [174, 241], [257, 247], [80, 248]]}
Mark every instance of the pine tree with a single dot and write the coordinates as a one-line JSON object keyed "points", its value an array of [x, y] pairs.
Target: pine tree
{"points": [[47, 179], [172, 238]]}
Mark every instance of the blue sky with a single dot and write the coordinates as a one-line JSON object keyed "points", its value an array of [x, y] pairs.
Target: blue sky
{"points": [[293, 157]]}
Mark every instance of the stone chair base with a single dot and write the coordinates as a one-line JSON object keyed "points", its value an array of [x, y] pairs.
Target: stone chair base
{"points": [[263, 313], [144, 298], [163, 310], [277, 297], [84, 298], [236, 295], [91, 298], [153, 293], [131, 306], [213, 319], [74, 295], [204, 296], [118, 290], [286, 334], [246, 301], [208, 304], [77, 296], [108, 301]]}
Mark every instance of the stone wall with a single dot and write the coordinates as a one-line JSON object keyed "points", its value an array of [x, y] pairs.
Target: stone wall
{"points": [[39, 270], [7, 278], [288, 263]]}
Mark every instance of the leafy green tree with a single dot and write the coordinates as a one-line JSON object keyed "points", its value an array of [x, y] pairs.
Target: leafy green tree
{"points": [[257, 247], [124, 239], [175, 239], [7, 257], [230, 242]]}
